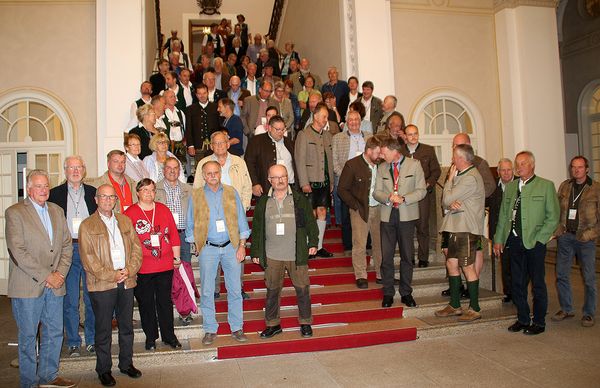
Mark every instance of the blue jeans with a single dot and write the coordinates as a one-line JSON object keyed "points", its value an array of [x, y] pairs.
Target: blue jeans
{"points": [[528, 264], [568, 247], [185, 254], [29, 313], [75, 276], [209, 259]]}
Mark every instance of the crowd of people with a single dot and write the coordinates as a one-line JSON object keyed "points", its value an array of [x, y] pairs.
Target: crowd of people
{"points": [[251, 121]]}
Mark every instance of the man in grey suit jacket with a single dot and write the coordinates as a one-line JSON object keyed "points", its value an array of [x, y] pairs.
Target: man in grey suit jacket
{"points": [[399, 187], [255, 108], [39, 245]]}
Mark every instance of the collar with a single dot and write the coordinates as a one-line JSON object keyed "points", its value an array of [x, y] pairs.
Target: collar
{"points": [[360, 133], [588, 181], [208, 189], [39, 207], [271, 192], [521, 182], [105, 218], [465, 170]]}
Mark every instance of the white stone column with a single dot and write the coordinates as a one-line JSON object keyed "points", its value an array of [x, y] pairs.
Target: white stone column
{"points": [[530, 84], [368, 55], [119, 70]]}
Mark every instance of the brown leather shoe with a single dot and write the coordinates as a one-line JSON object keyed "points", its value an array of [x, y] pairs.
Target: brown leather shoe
{"points": [[58, 382], [469, 316], [449, 311], [587, 321], [561, 316]]}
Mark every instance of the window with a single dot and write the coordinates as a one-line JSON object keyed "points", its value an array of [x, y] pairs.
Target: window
{"points": [[594, 126], [26, 121], [446, 116]]}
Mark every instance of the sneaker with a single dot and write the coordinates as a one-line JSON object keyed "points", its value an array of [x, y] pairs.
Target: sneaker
{"points": [[74, 351], [185, 321], [448, 311], [561, 316], [239, 336], [58, 382], [587, 321], [91, 349], [245, 296], [209, 338], [469, 316]]}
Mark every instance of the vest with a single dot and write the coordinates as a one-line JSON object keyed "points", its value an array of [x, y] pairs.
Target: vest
{"points": [[218, 44], [202, 216], [168, 123], [140, 102]]}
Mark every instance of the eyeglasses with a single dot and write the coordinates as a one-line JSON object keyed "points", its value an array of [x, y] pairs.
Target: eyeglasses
{"points": [[104, 197], [278, 178], [75, 168], [282, 129]]}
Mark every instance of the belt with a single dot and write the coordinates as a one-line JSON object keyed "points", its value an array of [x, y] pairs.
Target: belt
{"points": [[75, 240], [181, 230], [218, 245]]}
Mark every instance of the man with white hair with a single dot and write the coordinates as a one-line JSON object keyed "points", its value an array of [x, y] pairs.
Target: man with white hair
{"points": [[210, 80], [297, 78], [339, 88]]}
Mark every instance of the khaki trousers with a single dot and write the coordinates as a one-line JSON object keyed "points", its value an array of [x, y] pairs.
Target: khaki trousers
{"points": [[274, 274], [360, 232]]}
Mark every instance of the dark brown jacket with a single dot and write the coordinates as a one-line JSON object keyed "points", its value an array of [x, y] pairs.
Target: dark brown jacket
{"points": [[355, 184], [431, 167], [261, 155], [588, 210]]}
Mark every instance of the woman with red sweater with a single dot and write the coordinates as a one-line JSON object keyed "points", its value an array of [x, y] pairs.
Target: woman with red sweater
{"points": [[157, 231]]}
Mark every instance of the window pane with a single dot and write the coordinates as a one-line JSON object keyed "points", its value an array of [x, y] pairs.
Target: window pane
{"points": [[3, 130], [595, 102], [55, 130], [453, 125], [438, 125], [39, 111], [41, 162], [13, 112], [453, 108], [37, 131], [54, 164], [19, 131]]}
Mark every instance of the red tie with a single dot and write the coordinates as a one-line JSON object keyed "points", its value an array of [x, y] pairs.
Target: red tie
{"points": [[396, 173]]}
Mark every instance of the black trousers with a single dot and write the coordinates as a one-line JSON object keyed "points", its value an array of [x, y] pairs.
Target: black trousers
{"points": [[506, 278], [346, 226], [153, 294], [401, 233], [119, 300], [423, 226]]}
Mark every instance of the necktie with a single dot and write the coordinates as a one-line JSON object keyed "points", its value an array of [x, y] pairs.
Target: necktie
{"points": [[396, 174]]}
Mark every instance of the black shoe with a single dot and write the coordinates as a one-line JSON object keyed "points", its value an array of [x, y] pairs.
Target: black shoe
{"points": [[217, 295], [306, 331], [324, 253], [517, 327], [388, 301], [446, 292], [408, 300], [245, 296], [150, 345], [175, 344], [534, 329], [271, 331], [132, 372], [423, 264], [464, 293], [106, 379], [507, 299], [362, 283], [379, 281]]}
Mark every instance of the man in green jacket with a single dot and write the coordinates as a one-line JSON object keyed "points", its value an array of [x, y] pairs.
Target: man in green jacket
{"points": [[528, 218], [284, 234]]}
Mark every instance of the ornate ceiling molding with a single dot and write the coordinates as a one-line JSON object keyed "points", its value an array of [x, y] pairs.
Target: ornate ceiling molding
{"points": [[579, 45], [499, 5]]}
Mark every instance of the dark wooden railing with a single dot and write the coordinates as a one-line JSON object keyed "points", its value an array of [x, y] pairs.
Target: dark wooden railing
{"points": [[275, 19]]}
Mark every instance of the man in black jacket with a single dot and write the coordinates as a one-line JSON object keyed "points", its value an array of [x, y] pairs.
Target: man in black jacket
{"points": [[77, 201], [201, 120]]}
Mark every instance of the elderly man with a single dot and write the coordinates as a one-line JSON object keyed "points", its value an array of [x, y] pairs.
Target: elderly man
{"points": [[115, 176], [355, 188], [210, 80], [268, 149], [373, 105], [284, 234], [345, 146], [395, 127], [505, 176], [464, 199], [314, 164], [216, 224], [264, 61], [174, 119], [389, 107], [202, 119], [577, 233], [337, 87], [111, 255], [529, 215], [77, 201], [307, 116], [399, 187], [255, 108], [297, 78], [254, 49], [176, 196], [39, 245], [237, 94], [250, 82], [425, 154], [221, 77]]}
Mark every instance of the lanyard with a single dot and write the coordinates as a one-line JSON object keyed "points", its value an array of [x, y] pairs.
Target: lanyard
{"points": [[153, 214], [76, 203], [575, 198], [397, 164], [113, 221]]}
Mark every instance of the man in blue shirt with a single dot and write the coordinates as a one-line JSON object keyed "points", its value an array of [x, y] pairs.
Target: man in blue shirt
{"points": [[221, 240]]}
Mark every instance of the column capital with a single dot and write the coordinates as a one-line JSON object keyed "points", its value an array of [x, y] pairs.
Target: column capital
{"points": [[499, 5]]}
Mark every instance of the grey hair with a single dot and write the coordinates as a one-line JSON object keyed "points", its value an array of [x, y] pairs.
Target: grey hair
{"points": [[526, 153], [36, 172], [504, 160], [465, 151], [76, 157]]}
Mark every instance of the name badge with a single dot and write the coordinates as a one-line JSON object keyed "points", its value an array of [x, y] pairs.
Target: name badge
{"points": [[75, 222], [263, 120], [280, 229], [514, 214], [154, 240], [117, 258], [220, 226], [176, 218], [572, 214]]}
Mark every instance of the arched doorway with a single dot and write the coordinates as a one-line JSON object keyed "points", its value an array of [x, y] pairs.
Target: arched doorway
{"points": [[589, 126], [35, 132]]}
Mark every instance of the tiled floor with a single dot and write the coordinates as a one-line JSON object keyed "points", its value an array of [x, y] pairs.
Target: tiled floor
{"points": [[565, 356]]}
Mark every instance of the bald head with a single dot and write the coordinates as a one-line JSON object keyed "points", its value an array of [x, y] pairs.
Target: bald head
{"points": [[461, 138]]}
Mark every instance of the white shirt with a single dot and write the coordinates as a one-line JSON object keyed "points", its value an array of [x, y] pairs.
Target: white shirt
{"points": [[373, 168], [115, 239], [357, 144], [251, 86], [284, 157], [225, 178], [367, 105], [187, 94], [133, 121], [160, 124], [211, 95]]}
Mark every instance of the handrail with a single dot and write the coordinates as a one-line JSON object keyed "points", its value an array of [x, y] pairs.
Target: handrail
{"points": [[275, 19]]}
